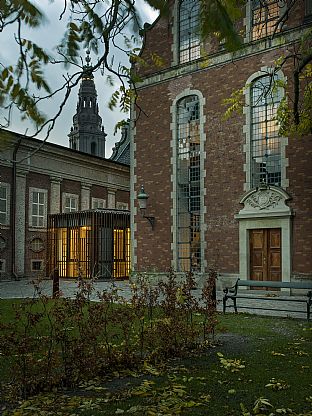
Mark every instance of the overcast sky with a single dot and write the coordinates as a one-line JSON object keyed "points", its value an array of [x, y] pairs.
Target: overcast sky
{"points": [[47, 37]]}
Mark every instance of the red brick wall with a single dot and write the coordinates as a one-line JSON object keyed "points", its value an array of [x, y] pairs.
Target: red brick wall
{"points": [[98, 192], [224, 168], [153, 171], [123, 196], [299, 153]]}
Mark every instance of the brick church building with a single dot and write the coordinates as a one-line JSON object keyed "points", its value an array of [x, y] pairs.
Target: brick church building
{"points": [[232, 194]]}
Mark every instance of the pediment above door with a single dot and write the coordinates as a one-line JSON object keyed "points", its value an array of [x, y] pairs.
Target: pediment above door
{"points": [[265, 201]]}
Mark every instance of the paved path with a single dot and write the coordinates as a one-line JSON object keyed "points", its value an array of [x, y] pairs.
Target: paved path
{"points": [[24, 288]]}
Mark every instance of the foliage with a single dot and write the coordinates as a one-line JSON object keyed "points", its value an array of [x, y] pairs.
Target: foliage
{"points": [[232, 365], [295, 109], [103, 27], [218, 18], [64, 342], [196, 383]]}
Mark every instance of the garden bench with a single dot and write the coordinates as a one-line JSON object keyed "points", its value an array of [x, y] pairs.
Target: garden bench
{"points": [[232, 293]]}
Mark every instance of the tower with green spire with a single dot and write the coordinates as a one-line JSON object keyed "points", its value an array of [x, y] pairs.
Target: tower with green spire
{"points": [[87, 133]]}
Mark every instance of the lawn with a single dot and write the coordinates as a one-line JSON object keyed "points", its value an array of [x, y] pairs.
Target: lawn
{"points": [[253, 366]]}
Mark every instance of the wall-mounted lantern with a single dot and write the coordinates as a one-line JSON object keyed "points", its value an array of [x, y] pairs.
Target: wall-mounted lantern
{"points": [[142, 198]]}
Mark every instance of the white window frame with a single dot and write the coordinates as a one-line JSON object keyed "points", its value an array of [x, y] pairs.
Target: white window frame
{"points": [[248, 133], [98, 201], [6, 186], [122, 205], [72, 197], [32, 216]]}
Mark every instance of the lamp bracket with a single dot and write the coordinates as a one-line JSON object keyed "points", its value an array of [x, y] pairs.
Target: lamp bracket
{"points": [[151, 220]]}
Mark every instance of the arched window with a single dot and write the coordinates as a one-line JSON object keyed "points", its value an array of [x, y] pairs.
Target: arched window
{"points": [[265, 146], [93, 148], [189, 36], [188, 184]]}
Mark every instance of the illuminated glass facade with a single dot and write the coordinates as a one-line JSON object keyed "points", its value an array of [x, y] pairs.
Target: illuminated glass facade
{"points": [[90, 244]]}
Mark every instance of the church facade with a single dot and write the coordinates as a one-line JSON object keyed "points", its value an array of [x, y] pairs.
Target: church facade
{"points": [[229, 194]]}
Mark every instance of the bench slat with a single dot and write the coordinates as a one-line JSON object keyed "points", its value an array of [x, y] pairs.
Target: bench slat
{"points": [[286, 285], [269, 298]]}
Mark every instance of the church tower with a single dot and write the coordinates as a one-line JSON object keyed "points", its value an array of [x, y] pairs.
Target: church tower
{"points": [[87, 133]]}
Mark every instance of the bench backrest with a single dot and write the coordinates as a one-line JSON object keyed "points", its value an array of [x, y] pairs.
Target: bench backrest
{"points": [[261, 283]]}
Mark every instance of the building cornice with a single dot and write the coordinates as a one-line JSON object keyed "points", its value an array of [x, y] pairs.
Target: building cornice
{"points": [[215, 60]]}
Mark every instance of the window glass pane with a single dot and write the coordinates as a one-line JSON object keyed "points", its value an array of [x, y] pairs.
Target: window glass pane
{"points": [[41, 210], [41, 197], [189, 35], [34, 221], [265, 142], [35, 197], [265, 15], [188, 179], [3, 192], [35, 209], [2, 205]]}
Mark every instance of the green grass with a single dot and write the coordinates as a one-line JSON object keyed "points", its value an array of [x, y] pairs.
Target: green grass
{"points": [[265, 348]]}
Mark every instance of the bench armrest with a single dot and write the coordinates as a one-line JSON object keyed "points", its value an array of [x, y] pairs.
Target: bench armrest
{"points": [[232, 289]]}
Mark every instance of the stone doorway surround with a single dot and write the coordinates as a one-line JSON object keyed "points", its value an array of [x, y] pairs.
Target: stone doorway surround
{"points": [[265, 207]]}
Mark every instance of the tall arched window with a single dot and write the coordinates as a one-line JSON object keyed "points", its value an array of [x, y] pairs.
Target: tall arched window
{"points": [[188, 184], [265, 141], [189, 35]]}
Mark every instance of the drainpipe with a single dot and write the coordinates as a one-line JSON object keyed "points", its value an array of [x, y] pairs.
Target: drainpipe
{"points": [[13, 206]]}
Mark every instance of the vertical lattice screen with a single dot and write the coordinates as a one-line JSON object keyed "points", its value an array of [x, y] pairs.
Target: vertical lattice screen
{"points": [[189, 36], [188, 184], [265, 143], [90, 244], [265, 14]]}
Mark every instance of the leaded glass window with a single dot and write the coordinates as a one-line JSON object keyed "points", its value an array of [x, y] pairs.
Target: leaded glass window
{"points": [[189, 36], [188, 184], [265, 140], [38, 209], [265, 14]]}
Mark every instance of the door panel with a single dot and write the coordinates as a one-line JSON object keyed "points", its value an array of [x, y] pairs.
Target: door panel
{"points": [[257, 258], [274, 254], [265, 254]]}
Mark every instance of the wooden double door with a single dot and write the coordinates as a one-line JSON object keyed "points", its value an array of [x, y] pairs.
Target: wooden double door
{"points": [[265, 254]]}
